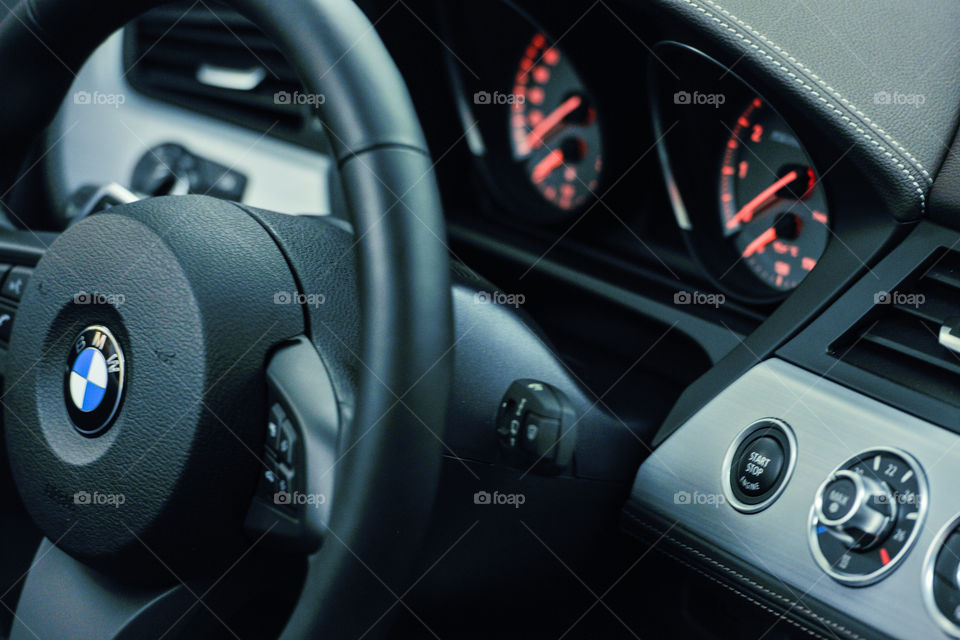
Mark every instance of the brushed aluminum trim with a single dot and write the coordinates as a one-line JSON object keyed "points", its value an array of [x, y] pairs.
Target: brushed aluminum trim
{"points": [[831, 423]]}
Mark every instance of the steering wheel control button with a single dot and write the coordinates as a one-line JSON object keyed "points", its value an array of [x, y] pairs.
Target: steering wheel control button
{"points": [[94, 380], [758, 465], [286, 442], [535, 426], [276, 418], [758, 468], [6, 323], [867, 515], [941, 578], [16, 282]]}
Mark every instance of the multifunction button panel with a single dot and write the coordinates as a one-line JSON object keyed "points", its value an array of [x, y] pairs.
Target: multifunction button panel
{"points": [[758, 465], [867, 515], [13, 282]]}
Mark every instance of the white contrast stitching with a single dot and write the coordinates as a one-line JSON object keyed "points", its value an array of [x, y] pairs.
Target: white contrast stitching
{"points": [[825, 100], [794, 604], [754, 601]]}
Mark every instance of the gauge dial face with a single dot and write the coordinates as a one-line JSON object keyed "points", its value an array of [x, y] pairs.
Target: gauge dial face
{"points": [[554, 133], [773, 210]]}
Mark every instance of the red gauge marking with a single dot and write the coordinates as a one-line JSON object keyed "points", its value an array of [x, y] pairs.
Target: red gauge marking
{"points": [[541, 74], [757, 134], [744, 168], [551, 56], [549, 123], [808, 263], [535, 95], [539, 40], [747, 212], [820, 217], [550, 163], [760, 242], [884, 556]]}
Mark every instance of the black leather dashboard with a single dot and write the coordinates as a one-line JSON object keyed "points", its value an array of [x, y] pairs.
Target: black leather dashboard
{"points": [[881, 75]]}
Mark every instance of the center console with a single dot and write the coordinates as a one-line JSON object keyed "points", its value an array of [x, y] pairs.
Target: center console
{"points": [[840, 510]]}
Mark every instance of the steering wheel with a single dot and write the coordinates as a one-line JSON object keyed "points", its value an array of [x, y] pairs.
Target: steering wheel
{"points": [[192, 383]]}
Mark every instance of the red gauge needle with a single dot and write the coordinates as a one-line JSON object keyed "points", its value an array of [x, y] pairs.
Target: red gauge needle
{"points": [[545, 167], [746, 214], [548, 124], [760, 242]]}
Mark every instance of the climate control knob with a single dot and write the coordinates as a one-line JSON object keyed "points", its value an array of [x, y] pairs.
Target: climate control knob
{"points": [[867, 514], [856, 509]]}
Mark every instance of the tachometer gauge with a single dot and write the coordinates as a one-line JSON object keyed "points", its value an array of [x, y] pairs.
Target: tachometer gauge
{"points": [[554, 133], [772, 207]]}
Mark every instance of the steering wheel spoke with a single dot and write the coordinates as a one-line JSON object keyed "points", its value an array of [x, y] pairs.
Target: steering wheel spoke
{"points": [[121, 611]]}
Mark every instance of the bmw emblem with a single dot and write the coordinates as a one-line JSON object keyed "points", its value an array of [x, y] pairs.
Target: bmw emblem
{"points": [[94, 380]]}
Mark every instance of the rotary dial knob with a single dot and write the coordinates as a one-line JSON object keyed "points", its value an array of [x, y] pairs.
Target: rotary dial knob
{"points": [[858, 510], [867, 514]]}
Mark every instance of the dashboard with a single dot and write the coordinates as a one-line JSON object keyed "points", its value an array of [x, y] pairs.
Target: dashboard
{"points": [[729, 274]]}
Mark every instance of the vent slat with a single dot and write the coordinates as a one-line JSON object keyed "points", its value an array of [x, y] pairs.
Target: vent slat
{"points": [[189, 59], [258, 99], [917, 340], [898, 338], [159, 36], [166, 47]]}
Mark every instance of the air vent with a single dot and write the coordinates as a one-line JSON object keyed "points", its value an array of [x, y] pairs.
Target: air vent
{"points": [[209, 58], [900, 338]]}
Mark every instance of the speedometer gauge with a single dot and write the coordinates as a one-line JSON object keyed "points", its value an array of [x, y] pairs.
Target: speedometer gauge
{"points": [[554, 133], [772, 207]]}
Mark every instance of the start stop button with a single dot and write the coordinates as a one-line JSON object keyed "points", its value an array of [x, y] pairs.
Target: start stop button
{"points": [[758, 465]]}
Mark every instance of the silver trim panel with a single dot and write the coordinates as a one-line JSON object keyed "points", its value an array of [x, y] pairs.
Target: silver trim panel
{"points": [[97, 142], [681, 482]]}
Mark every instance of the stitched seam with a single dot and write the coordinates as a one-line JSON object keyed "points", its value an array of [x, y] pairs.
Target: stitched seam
{"points": [[754, 601], [794, 604], [823, 99], [823, 84]]}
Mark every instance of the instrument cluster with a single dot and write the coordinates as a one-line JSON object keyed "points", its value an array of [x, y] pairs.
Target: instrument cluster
{"points": [[565, 132]]}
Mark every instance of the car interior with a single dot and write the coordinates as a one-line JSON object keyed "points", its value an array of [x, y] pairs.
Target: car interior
{"points": [[592, 319]]}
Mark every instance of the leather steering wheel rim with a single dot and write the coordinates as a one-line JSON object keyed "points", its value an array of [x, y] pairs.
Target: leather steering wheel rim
{"points": [[386, 483]]}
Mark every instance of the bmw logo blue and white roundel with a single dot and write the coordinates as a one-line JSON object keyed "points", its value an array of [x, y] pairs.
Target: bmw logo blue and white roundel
{"points": [[94, 380]]}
